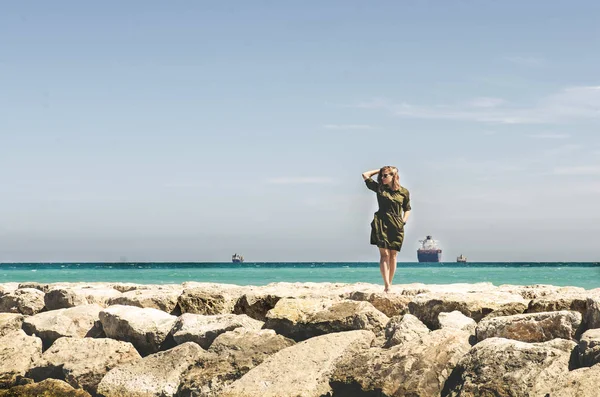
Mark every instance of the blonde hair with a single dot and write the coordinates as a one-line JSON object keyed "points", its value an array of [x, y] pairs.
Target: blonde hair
{"points": [[395, 185]]}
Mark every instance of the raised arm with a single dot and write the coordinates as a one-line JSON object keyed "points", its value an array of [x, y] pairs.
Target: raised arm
{"points": [[368, 174]]}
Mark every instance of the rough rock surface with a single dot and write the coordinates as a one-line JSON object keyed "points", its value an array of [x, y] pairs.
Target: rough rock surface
{"points": [[300, 319], [300, 370], [79, 322], [203, 329], [147, 329], [18, 352], [157, 375], [415, 368], [82, 362], [504, 367], [531, 327]]}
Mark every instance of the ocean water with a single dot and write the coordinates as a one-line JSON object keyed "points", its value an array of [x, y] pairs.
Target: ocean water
{"points": [[586, 275]]}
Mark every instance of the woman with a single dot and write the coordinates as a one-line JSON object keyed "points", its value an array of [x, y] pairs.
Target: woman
{"points": [[387, 227]]}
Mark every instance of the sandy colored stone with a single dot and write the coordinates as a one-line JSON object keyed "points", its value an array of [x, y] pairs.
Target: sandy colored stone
{"points": [[531, 327]]}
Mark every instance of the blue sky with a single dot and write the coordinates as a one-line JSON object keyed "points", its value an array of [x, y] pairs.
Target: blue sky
{"points": [[189, 130]]}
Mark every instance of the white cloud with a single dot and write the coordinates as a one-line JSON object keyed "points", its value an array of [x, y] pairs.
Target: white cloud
{"points": [[299, 180], [575, 103], [578, 170], [348, 127], [550, 136]]}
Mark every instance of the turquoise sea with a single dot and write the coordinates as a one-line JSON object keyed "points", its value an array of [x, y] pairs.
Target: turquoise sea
{"points": [[586, 275]]}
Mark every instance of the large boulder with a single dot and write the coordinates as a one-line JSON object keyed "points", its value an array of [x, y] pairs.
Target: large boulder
{"points": [[232, 355], [509, 368], [45, 388], [390, 304], [475, 305], [589, 348], [202, 301], [147, 329], [82, 362], [583, 382], [300, 319], [256, 305], [157, 375], [7, 288], [457, 320], [161, 299], [402, 329], [203, 329], [10, 322], [531, 327], [61, 297], [592, 314], [300, 370], [415, 368], [18, 352], [79, 322], [26, 301]]}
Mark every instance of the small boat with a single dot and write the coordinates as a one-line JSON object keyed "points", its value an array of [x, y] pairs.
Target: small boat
{"points": [[235, 258], [461, 258]]}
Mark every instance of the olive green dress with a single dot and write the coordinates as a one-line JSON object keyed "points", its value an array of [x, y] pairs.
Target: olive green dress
{"points": [[387, 228]]}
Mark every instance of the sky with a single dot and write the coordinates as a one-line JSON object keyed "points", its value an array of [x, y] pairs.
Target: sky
{"points": [[191, 130]]}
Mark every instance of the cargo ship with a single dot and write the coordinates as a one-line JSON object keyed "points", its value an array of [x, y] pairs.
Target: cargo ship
{"points": [[461, 259], [429, 251], [235, 258]]}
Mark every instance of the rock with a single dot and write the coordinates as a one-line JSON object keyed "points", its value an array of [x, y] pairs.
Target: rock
{"points": [[159, 374], [505, 367], [589, 348], [79, 322], [46, 388], [300, 319], [39, 286], [280, 375], [457, 320], [540, 291], [233, 354], [402, 329], [249, 346], [554, 303], [203, 301], [24, 300], [7, 288], [203, 329], [62, 298], [416, 368], [10, 322], [147, 329], [389, 304], [592, 314], [531, 327], [165, 300], [82, 362], [584, 382], [59, 297], [18, 351], [476, 305], [256, 305]]}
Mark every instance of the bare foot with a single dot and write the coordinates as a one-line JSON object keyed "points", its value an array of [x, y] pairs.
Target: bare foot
{"points": [[386, 289]]}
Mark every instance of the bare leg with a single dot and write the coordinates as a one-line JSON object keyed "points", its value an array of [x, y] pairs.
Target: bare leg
{"points": [[384, 267], [392, 264]]}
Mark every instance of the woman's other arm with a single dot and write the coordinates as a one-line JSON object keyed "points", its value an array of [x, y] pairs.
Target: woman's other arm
{"points": [[368, 174]]}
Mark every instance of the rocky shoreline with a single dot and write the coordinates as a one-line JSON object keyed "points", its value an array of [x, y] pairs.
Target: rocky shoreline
{"points": [[298, 339]]}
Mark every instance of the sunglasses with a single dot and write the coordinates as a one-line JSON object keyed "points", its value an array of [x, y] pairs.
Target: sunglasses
{"points": [[386, 175]]}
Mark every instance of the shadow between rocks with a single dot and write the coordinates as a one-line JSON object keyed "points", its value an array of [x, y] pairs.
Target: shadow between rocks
{"points": [[342, 389]]}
